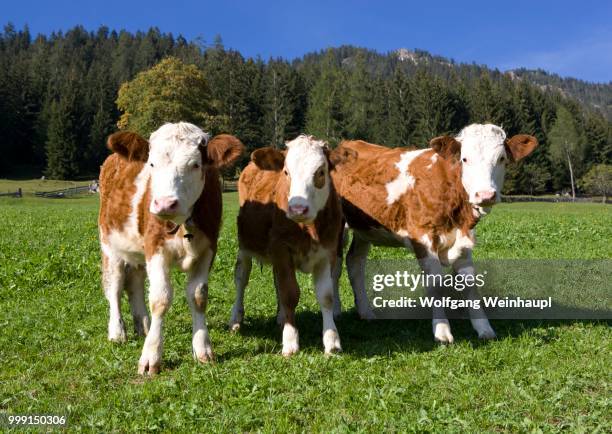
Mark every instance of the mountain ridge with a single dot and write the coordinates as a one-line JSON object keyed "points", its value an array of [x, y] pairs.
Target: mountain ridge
{"points": [[592, 95]]}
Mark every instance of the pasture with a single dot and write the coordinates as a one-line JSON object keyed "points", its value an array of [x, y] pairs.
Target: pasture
{"points": [[32, 186], [55, 359]]}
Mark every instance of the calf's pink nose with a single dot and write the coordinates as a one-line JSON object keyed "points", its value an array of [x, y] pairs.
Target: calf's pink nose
{"points": [[165, 204], [485, 196], [298, 209]]}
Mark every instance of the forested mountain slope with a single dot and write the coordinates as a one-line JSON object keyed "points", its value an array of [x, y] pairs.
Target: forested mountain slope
{"points": [[58, 100]]}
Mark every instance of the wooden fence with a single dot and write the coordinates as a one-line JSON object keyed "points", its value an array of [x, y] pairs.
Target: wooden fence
{"points": [[65, 192], [17, 193], [232, 185], [228, 185], [510, 199]]}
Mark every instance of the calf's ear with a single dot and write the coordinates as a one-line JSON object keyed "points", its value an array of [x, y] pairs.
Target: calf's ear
{"points": [[268, 158], [341, 155], [519, 146], [223, 150], [447, 147], [129, 145]]}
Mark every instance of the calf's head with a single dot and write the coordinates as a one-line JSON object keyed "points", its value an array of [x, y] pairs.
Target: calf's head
{"points": [[305, 165], [176, 158], [483, 152]]}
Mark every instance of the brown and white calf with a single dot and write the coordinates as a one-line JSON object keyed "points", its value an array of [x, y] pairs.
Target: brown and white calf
{"points": [[426, 200], [290, 216], [160, 205]]}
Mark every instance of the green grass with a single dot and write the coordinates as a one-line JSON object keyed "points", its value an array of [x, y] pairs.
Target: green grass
{"points": [[55, 359]]}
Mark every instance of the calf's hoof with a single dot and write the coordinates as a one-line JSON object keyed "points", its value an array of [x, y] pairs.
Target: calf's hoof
{"points": [[149, 363], [331, 342], [116, 332], [290, 340], [290, 349], [487, 336], [236, 320], [145, 368], [204, 355], [483, 328], [367, 315], [443, 334]]}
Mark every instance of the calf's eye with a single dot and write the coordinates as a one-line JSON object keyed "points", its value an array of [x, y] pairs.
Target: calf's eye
{"points": [[196, 166], [502, 159], [464, 160], [151, 164], [319, 178]]}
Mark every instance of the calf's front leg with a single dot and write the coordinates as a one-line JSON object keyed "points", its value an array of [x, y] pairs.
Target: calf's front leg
{"points": [[464, 265], [430, 264], [197, 297], [288, 297], [160, 299], [324, 285]]}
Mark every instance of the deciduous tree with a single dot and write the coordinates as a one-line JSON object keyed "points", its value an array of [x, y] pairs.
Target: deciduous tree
{"points": [[171, 91], [598, 180], [566, 145]]}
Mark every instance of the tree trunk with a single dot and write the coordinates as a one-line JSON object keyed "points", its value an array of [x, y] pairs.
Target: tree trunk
{"points": [[569, 163]]}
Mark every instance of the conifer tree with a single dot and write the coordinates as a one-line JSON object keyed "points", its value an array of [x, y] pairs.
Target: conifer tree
{"points": [[357, 104], [435, 107], [61, 145], [324, 118], [598, 140], [402, 116], [279, 101]]}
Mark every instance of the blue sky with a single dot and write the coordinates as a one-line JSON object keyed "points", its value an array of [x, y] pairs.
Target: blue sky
{"points": [[568, 38]]}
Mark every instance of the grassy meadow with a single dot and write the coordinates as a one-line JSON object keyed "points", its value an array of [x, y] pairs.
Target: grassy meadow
{"points": [[31, 186], [55, 359]]}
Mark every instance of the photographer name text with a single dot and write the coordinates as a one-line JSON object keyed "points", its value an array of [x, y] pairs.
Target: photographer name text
{"points": [[453, 304]]}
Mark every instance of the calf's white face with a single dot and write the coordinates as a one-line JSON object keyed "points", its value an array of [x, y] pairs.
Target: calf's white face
{"points": [[307, 171], [483, 159], [483, 152], [175, 165]]}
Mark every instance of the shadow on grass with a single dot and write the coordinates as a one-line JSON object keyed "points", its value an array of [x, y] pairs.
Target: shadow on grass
{"points": [[362, 338]]}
